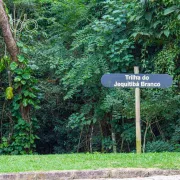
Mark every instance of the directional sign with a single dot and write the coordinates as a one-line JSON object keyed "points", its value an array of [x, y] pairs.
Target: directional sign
{"points": [[137, 80]]}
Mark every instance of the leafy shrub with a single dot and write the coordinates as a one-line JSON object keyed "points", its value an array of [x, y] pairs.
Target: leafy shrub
{"points": [[159, 146]]}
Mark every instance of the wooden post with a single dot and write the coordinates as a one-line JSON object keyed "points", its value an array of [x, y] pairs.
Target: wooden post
{"points": [[138, 116]]}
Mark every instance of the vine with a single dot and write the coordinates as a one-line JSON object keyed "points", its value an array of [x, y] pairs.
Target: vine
{"points": [[22, 97]]}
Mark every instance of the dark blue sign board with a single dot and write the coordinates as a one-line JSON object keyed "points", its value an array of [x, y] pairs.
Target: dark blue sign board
{"points": [[137, 80]]}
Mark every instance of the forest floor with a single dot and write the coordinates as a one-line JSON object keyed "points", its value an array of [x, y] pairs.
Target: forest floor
{"points": [[25, 163]]}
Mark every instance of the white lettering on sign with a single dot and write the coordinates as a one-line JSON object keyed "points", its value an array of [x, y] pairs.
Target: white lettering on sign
{"points": [[126, 84], [133, 81], [137, 80], [136, 84], [144, 84], [145, 77], [132, 77]]}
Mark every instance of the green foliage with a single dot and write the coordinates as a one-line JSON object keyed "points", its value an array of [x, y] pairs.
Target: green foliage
{"points": [[120, 36], [176, 136], [23, 96], [13, 66], [75, 44], [159, 146], [165, 60], [107, 144], [4, 62], [22, 141]]}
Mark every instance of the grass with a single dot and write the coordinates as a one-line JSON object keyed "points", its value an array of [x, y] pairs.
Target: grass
{"points": [[88, 161]]}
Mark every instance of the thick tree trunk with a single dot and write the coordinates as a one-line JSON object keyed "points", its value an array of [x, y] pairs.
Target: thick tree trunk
{"points": [[12, 49], [7, 34]]}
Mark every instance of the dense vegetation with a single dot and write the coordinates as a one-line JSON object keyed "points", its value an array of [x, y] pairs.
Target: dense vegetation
{"points": [[51, 98]]}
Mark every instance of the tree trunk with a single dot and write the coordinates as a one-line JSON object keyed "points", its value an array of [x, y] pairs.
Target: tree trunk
{"points": [[12, 49], [101, 130], [79, 140], [145, 133], [122, 144], [114, 142], [7, 34], [90, 140]]}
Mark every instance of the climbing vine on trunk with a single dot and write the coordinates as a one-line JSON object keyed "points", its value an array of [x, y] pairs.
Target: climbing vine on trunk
{"points": [[21, 94]]}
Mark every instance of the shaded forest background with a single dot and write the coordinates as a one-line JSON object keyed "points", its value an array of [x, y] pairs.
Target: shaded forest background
{"points": [[51, 99]]}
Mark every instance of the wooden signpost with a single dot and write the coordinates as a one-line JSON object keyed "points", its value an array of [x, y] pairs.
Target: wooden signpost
{"points": [[137, 81], [138, 115]]}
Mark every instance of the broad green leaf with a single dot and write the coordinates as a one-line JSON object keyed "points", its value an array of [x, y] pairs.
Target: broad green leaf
{"points": [[17, 79], [30, 101], [13, 66], [16, 86], [16, 106], [3, 61], [20, 44], [23, 82], [132, 18], [134, 34], [6, 59], [26, 93], [32, 95], [116, 11], [106, 16], [178, 17], [25, 102], [138, 17], [167, 32], [2, 66], [148, 16], [26, 76], [170, 10], [37, 107], [156, 23], [21, 58], [18, 71]]}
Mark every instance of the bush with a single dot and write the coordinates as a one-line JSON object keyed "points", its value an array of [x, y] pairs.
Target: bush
{"points": [[159, 146]]}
